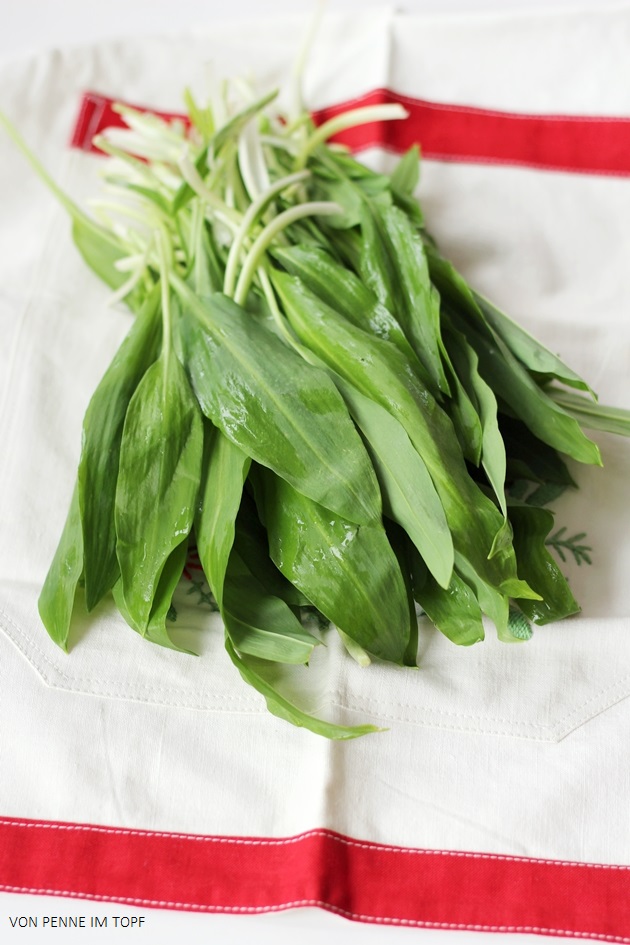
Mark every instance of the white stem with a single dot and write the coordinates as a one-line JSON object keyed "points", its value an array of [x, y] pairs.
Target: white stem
{"points": [[356, 116], [226, 214], [253, 211], [279, 223]]}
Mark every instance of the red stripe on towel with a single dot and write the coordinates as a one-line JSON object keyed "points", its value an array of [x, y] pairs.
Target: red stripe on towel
{"points": [[370, 882], [583, 144]]}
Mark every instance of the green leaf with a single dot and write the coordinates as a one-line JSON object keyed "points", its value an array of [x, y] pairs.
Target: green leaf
{"points": [[259, 623], [156, 630], [591, 415], [100, 452], [528, 458], [394, 266], [544, 417], [348, 571], [56, 599], [379, 371], [545, 493], [278, 409], [224, 471], [531, 526], [405, 553], [158, 481], [99, 247], [493, 456], [100, 250], [504, 372], [454, 611], [342, 290], [252, 545], [250, 670], [409, 496], [527, 349], [406, 175], [464, 415]]}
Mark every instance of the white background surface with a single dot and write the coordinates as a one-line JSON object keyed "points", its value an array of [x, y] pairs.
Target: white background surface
{"points": [[32, 25], [36, 24]]}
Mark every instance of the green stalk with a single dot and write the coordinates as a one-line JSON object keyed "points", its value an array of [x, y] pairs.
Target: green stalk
{"points": [[66, 202]]}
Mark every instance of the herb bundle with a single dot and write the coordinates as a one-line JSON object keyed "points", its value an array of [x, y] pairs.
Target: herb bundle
{"points": [[314, 396]]}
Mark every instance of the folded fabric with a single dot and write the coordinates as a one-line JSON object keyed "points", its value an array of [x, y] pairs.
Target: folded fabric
{"points": [[497, 798]]}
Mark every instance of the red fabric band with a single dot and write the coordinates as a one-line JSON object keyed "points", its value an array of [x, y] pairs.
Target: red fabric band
{"points": [[366, 881], [572, 143]]}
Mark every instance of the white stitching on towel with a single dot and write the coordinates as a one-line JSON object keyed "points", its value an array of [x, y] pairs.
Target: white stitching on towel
{"points": [[286, 841]]}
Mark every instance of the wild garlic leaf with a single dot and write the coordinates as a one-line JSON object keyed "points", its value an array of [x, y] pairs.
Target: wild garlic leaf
{"points": [[540, 413], [346, 293], [258, 623], [528, 458], [100, 250], [158, 481], [224, 471], [593, 416], [464, 414], [406, 175], [394, 266], [455, 610], [378, 370], [348, 571], [99, 247], [531, 526], [278, 409], [251, 543], [156, 630], [409, 496], [56, 600], [530, 352], [100, 452], [493, 456], [252, 670]]}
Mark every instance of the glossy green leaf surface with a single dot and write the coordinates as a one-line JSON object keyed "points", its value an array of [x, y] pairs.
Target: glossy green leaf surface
{"points": [[455, 610], [348, 571], [531, 526], [157, 630], [338, 287], [278, 409], [493, 456], [251, 543], [544, 417], [259, 623], [56, 599], [379, 371], [409, 496], [394, 266], [158, 482], [100, 452], [224, 471]]}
